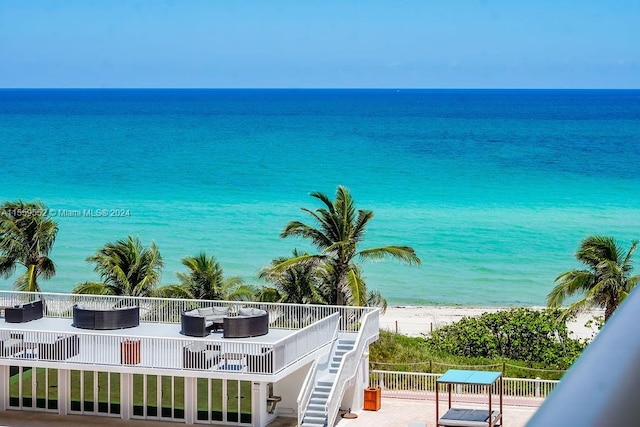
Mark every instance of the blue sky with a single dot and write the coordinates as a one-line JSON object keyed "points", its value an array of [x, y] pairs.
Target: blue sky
{"points": [[323, 44]]}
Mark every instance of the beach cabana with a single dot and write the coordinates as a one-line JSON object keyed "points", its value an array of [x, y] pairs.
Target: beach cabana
{"points": [[465, 417]]}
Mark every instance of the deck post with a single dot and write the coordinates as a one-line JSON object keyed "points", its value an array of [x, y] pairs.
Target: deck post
{"points": [[190, 401], [64, 391], [126, 395], [258, 403], [4, 387]]}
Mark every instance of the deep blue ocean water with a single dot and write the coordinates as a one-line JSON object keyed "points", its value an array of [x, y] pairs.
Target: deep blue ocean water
{"points": [[495, 189]]}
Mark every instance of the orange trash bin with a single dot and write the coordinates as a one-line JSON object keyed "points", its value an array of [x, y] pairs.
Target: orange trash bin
{"points": [[372, 401], [130, 352]]}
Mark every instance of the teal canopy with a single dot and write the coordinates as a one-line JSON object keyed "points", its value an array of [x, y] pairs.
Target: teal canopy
{"points": [[457, 376]]}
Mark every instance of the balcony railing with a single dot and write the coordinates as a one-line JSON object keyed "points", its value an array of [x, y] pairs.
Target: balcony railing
{"points": [[167, 310]]}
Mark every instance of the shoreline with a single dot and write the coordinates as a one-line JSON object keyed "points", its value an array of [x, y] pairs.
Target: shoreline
{"points": [[419, 321]]}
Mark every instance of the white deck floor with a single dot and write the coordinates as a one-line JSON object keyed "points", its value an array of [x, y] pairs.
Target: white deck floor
{"points": [[145, 330], [161, 344]]}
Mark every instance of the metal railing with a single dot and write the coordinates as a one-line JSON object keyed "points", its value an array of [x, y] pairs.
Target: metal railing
{"points": [[304, 397], [304, 341], [419, 385], [309, 384], [168, 310], [349, 365]]}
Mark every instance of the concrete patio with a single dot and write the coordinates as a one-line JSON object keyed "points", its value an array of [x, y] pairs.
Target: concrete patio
{"points": [[393, 413], [400, 412]]}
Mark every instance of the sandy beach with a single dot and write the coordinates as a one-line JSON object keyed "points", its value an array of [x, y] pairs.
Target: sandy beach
{"points": [[420, 321]]}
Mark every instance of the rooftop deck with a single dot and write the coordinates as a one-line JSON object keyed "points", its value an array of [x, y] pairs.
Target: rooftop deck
{"points": [[296, 335]]}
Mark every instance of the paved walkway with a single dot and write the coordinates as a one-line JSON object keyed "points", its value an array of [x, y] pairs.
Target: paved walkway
{"points": [[393, 413], [401, 412], [43, 419]]}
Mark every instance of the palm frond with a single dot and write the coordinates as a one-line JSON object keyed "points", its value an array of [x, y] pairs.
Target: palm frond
{"points": [[375, 299], [93, 288], [299, 260], [568, 284], [172, 291], [27, 235], [402, 253]]}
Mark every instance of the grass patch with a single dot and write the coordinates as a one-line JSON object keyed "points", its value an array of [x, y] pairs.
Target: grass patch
{"points": [[397, 352]]}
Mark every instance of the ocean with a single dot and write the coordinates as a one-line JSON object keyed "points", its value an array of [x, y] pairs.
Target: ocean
{"points": [[494, 189]]}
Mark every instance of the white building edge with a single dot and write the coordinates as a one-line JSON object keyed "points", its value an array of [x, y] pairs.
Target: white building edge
{"points": [[312, 362]]}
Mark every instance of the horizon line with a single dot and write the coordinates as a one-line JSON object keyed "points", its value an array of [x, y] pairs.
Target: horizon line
{"points": [[313, 88]]}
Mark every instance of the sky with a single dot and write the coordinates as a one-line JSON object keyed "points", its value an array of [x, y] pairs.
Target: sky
{"points": [[319, 44]]}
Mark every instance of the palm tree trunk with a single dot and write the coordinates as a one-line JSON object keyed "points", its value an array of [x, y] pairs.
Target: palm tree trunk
{"points": [[609, 309]]}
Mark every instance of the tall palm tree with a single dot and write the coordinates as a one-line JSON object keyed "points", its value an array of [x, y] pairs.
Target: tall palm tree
{"points": [[340, 229], [27, 234], [299, 284], [205, 280], [126, 268], [604, 284]]}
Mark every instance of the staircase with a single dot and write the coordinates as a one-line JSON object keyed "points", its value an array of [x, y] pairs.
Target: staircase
{"points": [[316, 414]]}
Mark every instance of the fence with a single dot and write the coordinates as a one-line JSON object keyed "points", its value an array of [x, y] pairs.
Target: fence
{"points": [[433, 367], [414, 385], [167, 310]]}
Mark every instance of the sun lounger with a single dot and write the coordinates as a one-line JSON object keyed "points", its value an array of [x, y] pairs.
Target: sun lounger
{"points": [[468, 418]]}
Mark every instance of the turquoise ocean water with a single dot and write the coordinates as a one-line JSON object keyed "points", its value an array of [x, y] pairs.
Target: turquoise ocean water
{"points": [[494, 188]]}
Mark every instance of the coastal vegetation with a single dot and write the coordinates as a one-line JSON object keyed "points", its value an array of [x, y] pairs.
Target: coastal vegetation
{"points": [[525, 342], [606, 281], [339, 231], [27, 234], [126, 268], [532, 336]]}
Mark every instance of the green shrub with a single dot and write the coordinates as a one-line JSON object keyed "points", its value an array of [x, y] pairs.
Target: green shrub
{"points": [[533, 336]]}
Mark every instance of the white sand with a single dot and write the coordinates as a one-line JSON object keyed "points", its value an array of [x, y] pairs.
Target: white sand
{"points": [[420, 321]]}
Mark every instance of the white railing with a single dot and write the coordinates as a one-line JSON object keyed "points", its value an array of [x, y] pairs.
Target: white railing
{"points": [[167, 310], [419, 385], [368, 332], [304, 397], [166, 353], [305, 341]]}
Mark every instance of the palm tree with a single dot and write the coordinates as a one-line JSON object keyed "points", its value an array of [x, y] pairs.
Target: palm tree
{"points": [[605, 283], [205, 280], [126, 268], [301, 283], [27, 234], [340, 229]]}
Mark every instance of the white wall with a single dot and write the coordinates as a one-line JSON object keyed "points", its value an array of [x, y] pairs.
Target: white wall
{"points": [[288, 389]]}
